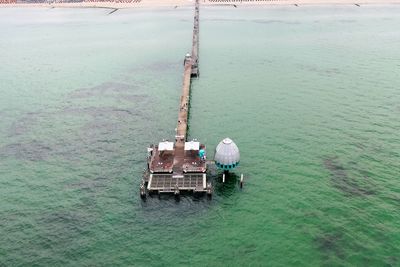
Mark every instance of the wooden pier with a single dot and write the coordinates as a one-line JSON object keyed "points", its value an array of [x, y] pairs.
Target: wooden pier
{"points": [[195, 42], [178, 166]]}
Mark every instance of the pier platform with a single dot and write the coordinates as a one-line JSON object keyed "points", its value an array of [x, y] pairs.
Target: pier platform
{"points": [[168, 183], [173, 168]]}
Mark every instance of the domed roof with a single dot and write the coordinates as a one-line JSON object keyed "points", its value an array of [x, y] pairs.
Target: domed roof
{"points": [[227, 154]]}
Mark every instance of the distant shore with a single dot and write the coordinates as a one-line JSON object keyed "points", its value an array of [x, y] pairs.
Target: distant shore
{"points": [[179, 3]]}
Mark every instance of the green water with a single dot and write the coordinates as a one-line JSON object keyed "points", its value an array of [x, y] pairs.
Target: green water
{"points": [[311, 95]]}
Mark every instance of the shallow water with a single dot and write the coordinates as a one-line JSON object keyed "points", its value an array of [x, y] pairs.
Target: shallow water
{"points": [[310, 95]]}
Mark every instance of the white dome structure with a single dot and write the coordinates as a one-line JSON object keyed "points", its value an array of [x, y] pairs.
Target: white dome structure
{"points": [[227, 155]]}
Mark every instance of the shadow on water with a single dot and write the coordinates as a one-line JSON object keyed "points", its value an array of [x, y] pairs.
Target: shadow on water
{"points": [[347, 184], [169, 207], [228, 188]]}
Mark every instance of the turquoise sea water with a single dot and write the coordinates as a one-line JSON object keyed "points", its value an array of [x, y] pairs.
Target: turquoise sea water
{"points": [[311, 95]]}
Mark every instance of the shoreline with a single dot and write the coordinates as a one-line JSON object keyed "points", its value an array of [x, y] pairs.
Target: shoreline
{"points": [[207, 3]]}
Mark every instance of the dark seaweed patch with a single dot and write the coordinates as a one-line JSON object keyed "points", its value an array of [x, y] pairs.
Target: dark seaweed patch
{"points": [[117, 91], [321, 71], [74, 219], [342, 181], [64, 226], [104, 112], [360, 145], [247, 249], [159, 66], [102, 89], [33, 151], [329, 245], [99, 133], [392, 260], [105, 120], [88, 184], [99, 127], [22, 125]]}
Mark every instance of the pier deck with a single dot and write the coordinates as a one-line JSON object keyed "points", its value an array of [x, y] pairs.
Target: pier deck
{"points": [[176, 162], [195, 182], [195, 43]]}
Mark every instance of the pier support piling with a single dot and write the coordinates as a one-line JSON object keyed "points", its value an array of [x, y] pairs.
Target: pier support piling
{"points": [[142, 190], [209, 189]]}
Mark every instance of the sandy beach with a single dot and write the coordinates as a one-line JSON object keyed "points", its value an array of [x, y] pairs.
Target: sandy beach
{"points": [[179, 3]]}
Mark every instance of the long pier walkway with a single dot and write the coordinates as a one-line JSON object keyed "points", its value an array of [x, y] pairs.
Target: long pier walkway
{"points": [[191, 70], [195, 42], [178, 166]]}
